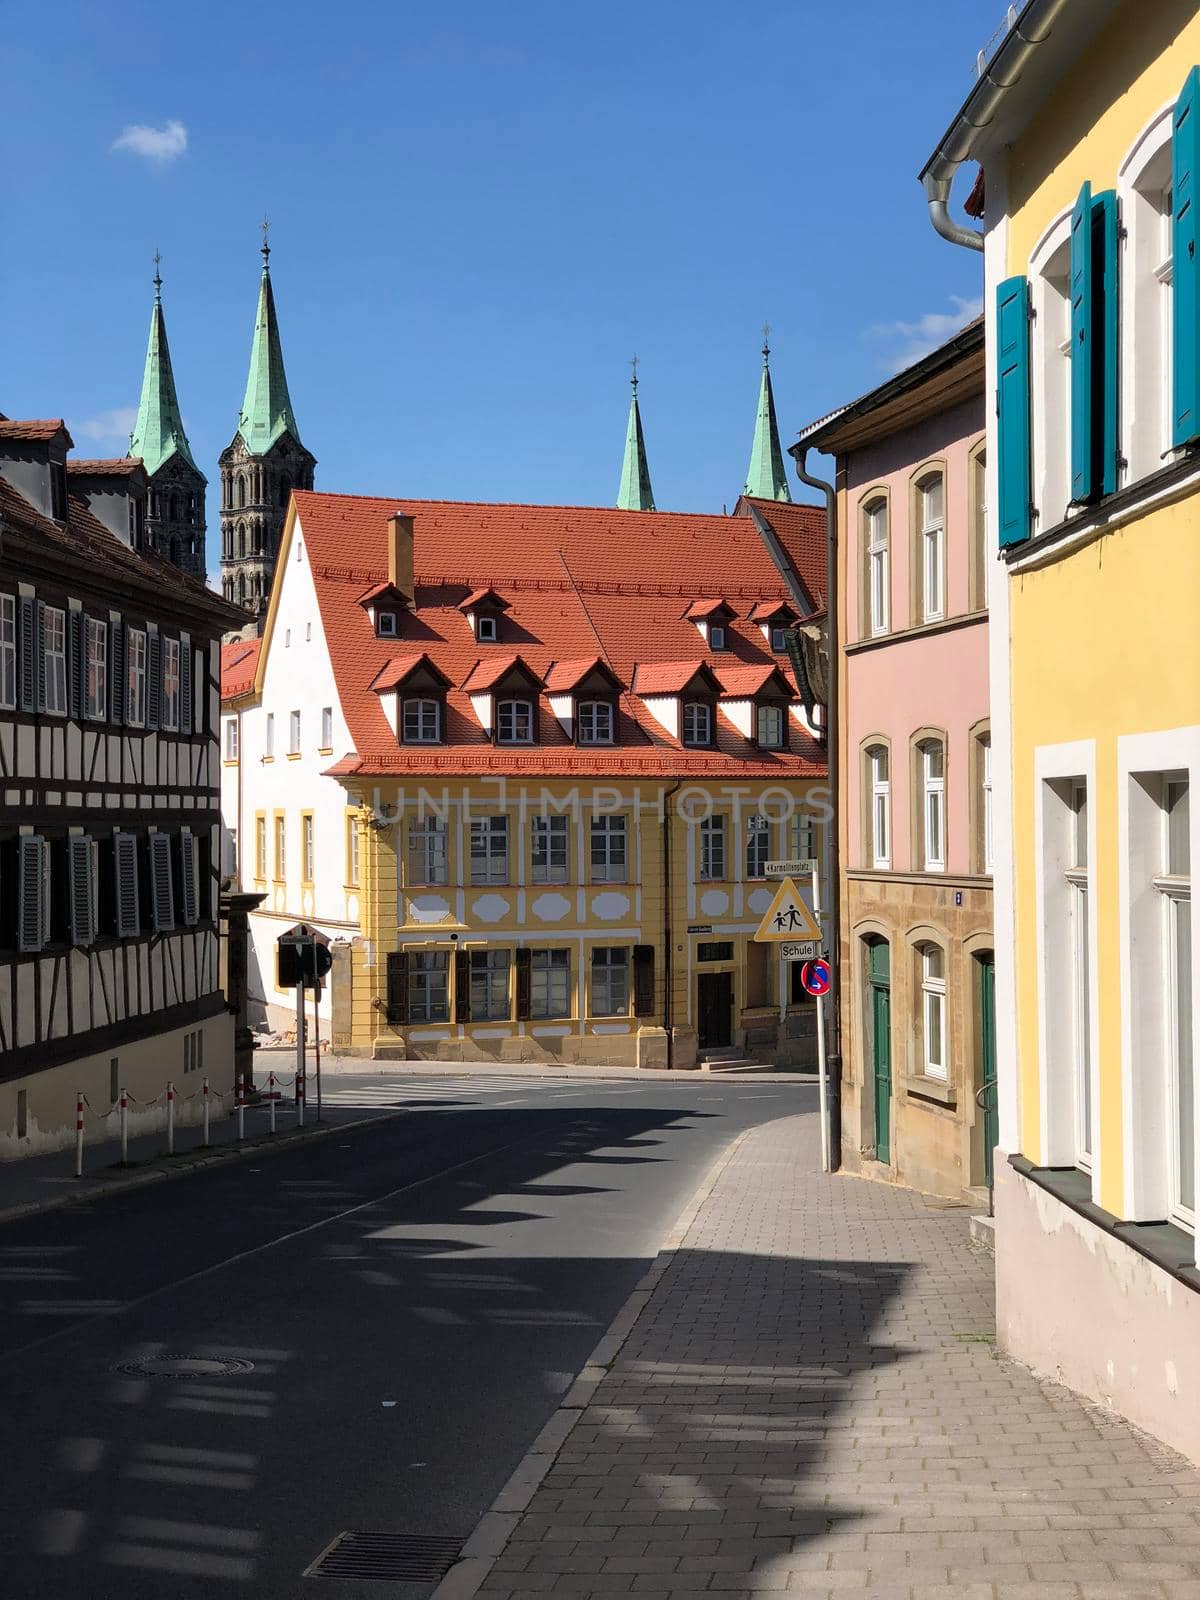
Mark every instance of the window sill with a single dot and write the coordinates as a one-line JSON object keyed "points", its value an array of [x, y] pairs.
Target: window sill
{"points": [[325, 750], [938, 1090], [1167, 1246], [267, 760], [294, 755], [921, 630]]}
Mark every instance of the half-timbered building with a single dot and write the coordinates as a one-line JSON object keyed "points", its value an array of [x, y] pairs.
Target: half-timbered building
{"points": [[109, 797]]}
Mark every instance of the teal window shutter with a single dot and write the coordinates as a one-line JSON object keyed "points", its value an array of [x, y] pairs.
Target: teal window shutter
{"points": [[1083, 480], [1012, 409], [1185, 247], [1106, 348]]}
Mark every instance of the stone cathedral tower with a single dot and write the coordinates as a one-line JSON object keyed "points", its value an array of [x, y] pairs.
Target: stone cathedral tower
{"points": [[175, 503], [262, 465]]}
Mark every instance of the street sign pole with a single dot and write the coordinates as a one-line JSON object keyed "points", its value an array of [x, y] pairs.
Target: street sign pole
{"points": [[317, 1026], [822, 1075], [300, 1053]]}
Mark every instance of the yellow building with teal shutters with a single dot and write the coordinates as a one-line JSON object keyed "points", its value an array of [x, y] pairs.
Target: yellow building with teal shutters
{"points": [[1086, 123]]}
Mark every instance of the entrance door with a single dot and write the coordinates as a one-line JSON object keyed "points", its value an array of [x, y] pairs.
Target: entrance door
{"points": [[715, 1009], [879, 987], [986, 1096]]}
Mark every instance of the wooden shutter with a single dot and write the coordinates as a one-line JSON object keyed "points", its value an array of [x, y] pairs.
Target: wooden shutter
{"points": [[643, 980], [1185, 270], [462, 986], [27, 621], [76, 662], [31, 902], [153, 679], [162, 902], [40, 650], [1106, 350], [116, 672], [1012, 409], [189, 898], [524, 985], [1083, 334], [82, 889], [125, 884], [185, 684], [397, 987]]}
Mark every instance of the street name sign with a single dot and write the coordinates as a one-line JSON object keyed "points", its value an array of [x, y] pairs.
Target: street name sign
{"points": [[787, 918], [790, 869]]}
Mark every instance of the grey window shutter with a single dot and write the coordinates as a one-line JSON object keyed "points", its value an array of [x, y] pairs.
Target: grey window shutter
{"points": [[28, 625], [185, 684], [189, 898], [81, 861], [125, 871], [162, 902], [77, 666], [153, 679], [31, 904], [41, 656], [116, 672]]}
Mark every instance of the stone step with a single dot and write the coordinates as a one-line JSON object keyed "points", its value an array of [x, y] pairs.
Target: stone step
{"points": [[983, 1232]]}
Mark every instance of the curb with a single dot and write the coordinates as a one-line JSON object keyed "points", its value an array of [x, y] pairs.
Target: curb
{"points": [[497, 1525], [185, 1165]]}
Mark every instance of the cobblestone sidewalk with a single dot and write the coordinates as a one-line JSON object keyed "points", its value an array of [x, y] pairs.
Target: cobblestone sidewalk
{"points": [[812, 1402]]}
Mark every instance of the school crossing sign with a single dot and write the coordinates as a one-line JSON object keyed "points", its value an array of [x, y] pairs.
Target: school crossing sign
{"points": [[787, 919]]}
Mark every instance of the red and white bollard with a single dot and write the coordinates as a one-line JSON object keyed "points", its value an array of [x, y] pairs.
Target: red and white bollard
{"points": [[79, 1134], [170, 1119], [271, 1097], [124, 1128], [241, 1109], [204, 1091]]}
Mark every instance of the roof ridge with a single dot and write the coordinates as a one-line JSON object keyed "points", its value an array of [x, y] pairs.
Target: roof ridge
{"points": [[538, 505]]}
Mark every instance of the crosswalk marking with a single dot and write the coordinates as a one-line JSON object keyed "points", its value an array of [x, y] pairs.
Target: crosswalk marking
{"points": [[427, 1091]]}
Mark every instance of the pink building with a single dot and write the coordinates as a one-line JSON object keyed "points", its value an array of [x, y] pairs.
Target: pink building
{"points": [[915, 768]]}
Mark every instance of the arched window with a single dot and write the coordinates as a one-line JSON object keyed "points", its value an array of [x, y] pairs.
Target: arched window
{"points": [[1050, 285], [877, 577], [594, 722], [879, 806], [977, 529], [241, 588], [935, 1055], [514, 722], [241, 492], [697, 723], [931, 553], [1147, 275], [422, 722], [241, 541], [932, 780]]}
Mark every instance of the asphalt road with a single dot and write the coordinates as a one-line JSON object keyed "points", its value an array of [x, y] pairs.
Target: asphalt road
{"points": [[404, 1305]]}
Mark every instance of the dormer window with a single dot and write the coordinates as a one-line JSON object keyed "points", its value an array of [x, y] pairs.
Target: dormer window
{"points": [[779, 640], [514, 722], [716, 636], [482, 609], [485, 629], [422, 722], [770, 720], [697, 723], [594, 722], [386, 624]]}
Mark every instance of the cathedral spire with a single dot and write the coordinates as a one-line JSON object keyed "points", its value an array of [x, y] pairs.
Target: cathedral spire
{"points": [[766, 479], [158, 431], [635, 493], [267, 406]]}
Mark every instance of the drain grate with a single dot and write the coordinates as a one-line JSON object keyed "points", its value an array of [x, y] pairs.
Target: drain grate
{"points": [[387, 1558], [185, 1367]]}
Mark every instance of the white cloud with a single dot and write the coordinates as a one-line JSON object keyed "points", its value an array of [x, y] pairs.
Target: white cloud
{"points": [[107, 426], [918, 338], [158, 145]]}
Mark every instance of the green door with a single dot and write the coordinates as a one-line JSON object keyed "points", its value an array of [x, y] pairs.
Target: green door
{"points": [[879, 979], [987, 1063]]}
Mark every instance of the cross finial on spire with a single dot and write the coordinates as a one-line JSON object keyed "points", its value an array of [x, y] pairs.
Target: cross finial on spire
{"points": [[766, 346], [265, 225], [157, 276], [634, 366]]}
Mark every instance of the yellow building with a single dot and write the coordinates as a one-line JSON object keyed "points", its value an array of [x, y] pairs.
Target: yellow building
{"points": [[526, 766], [1085, 121]]}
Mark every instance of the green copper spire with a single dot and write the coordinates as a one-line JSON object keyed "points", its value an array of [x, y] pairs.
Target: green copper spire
{"points": [[766, 479], [635, 493], [267, 409], [158, 432]]}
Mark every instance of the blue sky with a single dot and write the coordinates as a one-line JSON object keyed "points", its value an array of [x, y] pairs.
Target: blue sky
{"points": [[479, 211]]}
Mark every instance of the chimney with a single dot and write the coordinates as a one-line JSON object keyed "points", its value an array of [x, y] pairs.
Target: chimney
{"points": [[400, 555]]}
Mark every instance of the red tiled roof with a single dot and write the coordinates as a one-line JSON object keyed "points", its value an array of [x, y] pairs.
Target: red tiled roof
{"points": [[377, 590], [37, 431], [581, 583], [239, 663], [564, 675], [399, 668], [478, 596], [699, 609], [123, 467], [741, 682], [766, 609], [668, 677]]}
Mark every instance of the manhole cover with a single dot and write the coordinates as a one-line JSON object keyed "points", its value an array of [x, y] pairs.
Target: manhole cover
{"points": [[387, 1558], [185, 1367]]}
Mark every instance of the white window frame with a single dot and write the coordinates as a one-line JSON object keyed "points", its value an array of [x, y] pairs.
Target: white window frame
{"points": [[136, 657], [489, 850], [933, 805], [8, 652], [486, 631], [775, 717], [609, 849], [231, 738], [549, 984], [549, 849], [387, 625], [608, 988], [509, 720], [269, 738], [429, 986], [986, 811], [778, 639], [326, 727], [758, 846], [713, 854], [1174, 885], [428, 851], [95, 684], [421, 720], [1147, 301], [717, 636], [879, 762], [352, 850], [699, 714], [877, 541], [1050, 351], [595, 722], [490, 981], [933, 1012], [54, 637], [172, 679], [308, 846], [294, 729], [933, 545]]}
